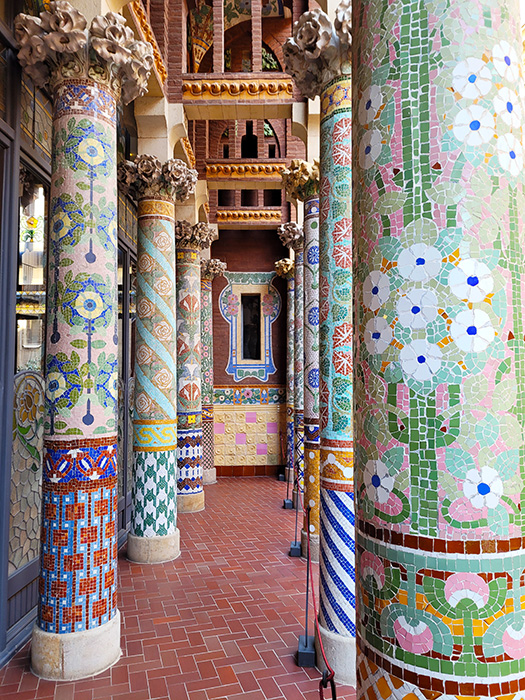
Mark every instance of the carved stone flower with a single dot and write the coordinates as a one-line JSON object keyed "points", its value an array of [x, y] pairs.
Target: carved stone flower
{"points": [[306, 73], [284, 267], [64, 27], [111, 38], [210, 269], [187, 188], [313, 32], [137, 71], [126, 176], [148, 168], [291, 235], [343, 22], [183, 232]]}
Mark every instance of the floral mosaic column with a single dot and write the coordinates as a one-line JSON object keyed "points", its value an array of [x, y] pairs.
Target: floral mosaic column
{"points": [[210, 269], [285, 269], [318, 58], [291, 235], [439, 202], [78, 627], [154, 536], [302, 182], [190, 241]]}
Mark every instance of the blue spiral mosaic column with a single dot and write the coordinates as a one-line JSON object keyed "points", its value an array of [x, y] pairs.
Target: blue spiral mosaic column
{"points": [[337, 550], [440, 373], [299, 368]]}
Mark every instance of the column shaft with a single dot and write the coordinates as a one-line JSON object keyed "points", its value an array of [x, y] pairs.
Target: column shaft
{"points": [[337, 587], [208, 441], [311, 374], [440, 458], [189, 404], [218, 36], [299, 370], [79, 489], [290, 361], [154, 536]]}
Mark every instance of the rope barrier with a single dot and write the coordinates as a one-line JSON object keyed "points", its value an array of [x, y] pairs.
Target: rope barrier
{"points": [[329, 674]]}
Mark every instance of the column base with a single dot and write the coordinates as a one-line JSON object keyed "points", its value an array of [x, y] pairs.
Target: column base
{"points": [[76, 655], [209, 476], [341, 655], [314, 546], [154, 550], [190, 503]]}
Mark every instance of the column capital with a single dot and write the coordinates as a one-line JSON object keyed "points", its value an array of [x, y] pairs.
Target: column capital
{"points": [[210, 269], [301, 179], [58, 46], [285, 268], [291, 235], [199, 236], [319, 50], [147, 177]]}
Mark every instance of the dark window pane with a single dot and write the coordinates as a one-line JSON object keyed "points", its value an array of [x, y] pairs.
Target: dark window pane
{"points": [[251, 326]]}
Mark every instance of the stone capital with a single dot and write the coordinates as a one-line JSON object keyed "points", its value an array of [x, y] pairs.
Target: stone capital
{"points": [[146, 176], [301, 179], [319, 50], [58, 46], [285, 268], [291, 235], [210, 269], [199, 236]]}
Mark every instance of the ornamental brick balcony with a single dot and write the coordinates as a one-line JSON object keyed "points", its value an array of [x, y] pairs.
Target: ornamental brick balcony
{"points": [[258, 174], [239, 96]]}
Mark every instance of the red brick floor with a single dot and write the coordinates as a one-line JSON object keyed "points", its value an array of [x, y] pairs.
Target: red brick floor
{"points": [[219, 623]]}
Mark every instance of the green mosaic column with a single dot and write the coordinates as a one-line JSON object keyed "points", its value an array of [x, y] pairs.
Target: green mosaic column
{"points": [[77, 633], [210, 269], [154, 536], [440, 456], [285, 269], [318, 58], [190, 241]]}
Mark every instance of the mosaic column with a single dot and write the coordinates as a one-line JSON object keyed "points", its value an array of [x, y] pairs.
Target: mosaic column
{"points": [[210, 269], [77, 633], [440, 381], [190, 241], [291, 235], [154, 536], [302, 182], [318, 58], [285, 269]]}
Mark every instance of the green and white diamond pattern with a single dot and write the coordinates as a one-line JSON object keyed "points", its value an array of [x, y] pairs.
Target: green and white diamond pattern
{"points": [[154, 494]]}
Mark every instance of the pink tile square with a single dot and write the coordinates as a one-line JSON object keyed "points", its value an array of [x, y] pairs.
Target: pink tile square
{"points": [[219, 428], [271, 428], [240, 438], [251, 417], [262, 449]]}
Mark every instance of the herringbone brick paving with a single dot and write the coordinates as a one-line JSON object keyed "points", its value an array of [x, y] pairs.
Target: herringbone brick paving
{"points": [[219, 623]]}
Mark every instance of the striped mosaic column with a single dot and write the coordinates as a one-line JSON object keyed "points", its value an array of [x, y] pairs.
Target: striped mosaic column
{"points": [[439, 199], [301, 181], [210, 269], [190, 241], [77, 633], [314, 35], [154, 536], [291, 235], [285, 269]]}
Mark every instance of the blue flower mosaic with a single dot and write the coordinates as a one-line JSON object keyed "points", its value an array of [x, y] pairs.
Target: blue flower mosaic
{"points": [[313, 316], [313, 378], [313, 255]]}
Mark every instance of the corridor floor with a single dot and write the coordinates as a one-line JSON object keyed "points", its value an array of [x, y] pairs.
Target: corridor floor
{"points": [[219, 623]]}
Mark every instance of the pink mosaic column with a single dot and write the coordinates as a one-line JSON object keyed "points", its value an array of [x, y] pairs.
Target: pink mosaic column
{"points": [[78, 627]]}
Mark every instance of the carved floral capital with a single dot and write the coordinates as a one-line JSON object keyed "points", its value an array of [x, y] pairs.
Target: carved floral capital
{"points": [[199, 236], [291, 235], [57, 45], [301, 179], [210, 269], [285, 268], [319, 50], [146, 176]]}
